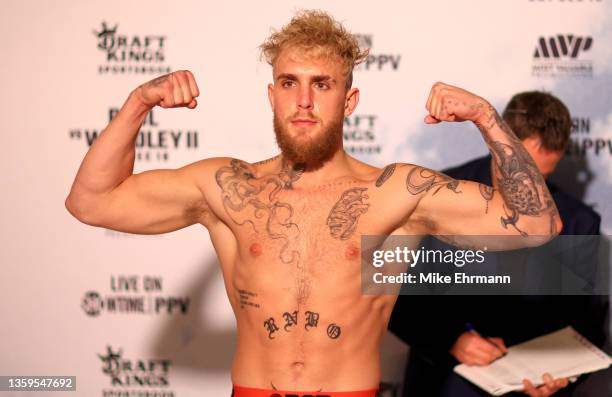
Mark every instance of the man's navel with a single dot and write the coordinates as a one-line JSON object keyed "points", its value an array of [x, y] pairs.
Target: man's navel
{"points": [[297, 369]]}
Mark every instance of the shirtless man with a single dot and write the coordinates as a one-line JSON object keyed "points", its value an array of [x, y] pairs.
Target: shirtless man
{"points": [[287, 230]]}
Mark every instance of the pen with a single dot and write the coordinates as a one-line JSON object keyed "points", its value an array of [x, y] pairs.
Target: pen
{"points": [[470, 328]]}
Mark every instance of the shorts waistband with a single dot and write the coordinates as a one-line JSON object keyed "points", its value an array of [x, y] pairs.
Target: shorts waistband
{"points": [[239, 391]]}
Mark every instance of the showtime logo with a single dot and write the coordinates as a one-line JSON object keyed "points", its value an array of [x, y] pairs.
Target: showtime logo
{"points": [[562, 56]]}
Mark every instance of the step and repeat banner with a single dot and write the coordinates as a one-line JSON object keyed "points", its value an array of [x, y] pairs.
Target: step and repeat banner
{"points": [[132, 315]]}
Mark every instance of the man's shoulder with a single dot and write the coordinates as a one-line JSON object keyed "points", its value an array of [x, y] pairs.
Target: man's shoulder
{"points": [[207, 171]]}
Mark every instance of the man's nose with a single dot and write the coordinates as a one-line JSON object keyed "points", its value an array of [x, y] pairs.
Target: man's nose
{"points": [[304, 100]]}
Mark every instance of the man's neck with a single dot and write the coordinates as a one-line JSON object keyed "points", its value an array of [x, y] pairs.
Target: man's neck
{"points": [[337, 166]]}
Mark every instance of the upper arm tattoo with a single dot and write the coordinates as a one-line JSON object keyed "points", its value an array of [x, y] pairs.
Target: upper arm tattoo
{"points": [[421, 180]]}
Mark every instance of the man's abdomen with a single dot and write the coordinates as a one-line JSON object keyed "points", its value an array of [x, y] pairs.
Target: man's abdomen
{"points": [[300, 331]]}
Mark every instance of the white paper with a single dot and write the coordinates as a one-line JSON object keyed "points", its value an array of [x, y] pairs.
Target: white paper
{"points": [[564, 353]]}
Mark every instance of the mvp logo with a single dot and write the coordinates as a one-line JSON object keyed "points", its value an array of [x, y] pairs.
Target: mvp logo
{"points": [[568, 46]]}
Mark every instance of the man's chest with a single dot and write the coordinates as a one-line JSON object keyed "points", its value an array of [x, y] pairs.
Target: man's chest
{"points": [[277, 216], [312, 217]]}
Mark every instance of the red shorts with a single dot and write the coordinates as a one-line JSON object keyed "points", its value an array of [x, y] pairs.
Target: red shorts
{"points": [[249, 392]]}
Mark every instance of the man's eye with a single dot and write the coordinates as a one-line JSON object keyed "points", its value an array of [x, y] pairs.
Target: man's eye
{"points": [[321, 85], [288, 83]]}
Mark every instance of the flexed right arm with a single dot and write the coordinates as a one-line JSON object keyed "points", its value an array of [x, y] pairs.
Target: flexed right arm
{"points": [[105, 191]]}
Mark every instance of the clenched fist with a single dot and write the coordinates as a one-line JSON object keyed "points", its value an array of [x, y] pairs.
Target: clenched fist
{"points": [[448, 103], [176, 89]]}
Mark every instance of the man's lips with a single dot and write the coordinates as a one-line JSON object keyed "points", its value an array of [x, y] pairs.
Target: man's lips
{"points": [[303, 122]]}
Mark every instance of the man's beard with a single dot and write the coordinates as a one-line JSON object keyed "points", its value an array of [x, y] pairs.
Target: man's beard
{"points": [[314, 151]]}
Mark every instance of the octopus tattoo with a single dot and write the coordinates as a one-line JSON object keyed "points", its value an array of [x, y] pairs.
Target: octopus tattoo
{"points": [[245, 197]]}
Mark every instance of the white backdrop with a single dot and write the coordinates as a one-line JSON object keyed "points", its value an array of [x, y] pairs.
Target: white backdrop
{"points": [[77, 300]]}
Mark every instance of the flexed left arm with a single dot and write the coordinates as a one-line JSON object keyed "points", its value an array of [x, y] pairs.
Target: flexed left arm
{"points": [[524, 204]]}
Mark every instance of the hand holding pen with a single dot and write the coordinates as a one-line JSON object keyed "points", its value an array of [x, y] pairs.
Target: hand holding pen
{"points": [[472, 348]]}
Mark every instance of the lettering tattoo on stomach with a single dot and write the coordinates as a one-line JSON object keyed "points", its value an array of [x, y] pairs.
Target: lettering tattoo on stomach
{"points": [[292, 319]]}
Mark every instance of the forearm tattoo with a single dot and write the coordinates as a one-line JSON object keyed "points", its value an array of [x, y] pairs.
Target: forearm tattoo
{"points": [[244, 199], [386, 174], [520, 183], [343, 217], [421, 179]]}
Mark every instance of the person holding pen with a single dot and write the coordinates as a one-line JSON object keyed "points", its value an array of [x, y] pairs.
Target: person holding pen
{"points": [[472, 348]]}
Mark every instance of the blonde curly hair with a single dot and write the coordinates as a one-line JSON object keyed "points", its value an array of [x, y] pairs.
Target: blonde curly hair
{"points": [[316, 34]]}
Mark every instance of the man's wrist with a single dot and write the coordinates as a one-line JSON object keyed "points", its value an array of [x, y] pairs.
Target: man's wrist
{"points": [[134, 107], [486, 115]]}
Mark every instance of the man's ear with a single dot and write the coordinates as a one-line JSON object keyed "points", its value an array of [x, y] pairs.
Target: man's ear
{"points": [[271, 95], [351, 100]]}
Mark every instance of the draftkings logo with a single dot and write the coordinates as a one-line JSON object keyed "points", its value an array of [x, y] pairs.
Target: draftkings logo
{"points": [[131, 377], [583, 144], [375, 60], [562, 56], [134, 295], [360, 135], [153, 142], [135, 54]]}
